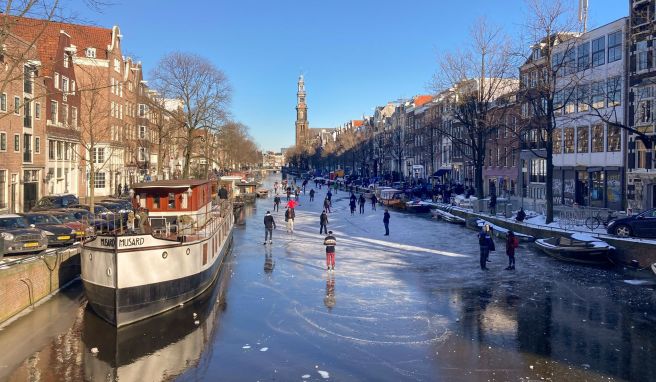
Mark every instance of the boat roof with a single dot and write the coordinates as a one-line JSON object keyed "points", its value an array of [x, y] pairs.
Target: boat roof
{"points": [[173, 183]]}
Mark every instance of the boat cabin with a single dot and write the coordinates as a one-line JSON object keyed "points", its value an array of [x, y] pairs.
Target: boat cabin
{"points": [[247, 187], [173, 199]]}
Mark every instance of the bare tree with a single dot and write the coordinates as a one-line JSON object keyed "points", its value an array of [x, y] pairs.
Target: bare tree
{"points": [[203, 90], [477, 76]]}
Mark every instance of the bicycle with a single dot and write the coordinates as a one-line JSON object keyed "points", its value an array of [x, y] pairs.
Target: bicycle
{"points": [[595, 221]]}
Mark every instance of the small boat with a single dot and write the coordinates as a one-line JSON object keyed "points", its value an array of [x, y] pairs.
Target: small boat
{"points": [[262, 193], [448, 217], [577, 248], [417, 206], [391, 197], [502, 232], [173, 254]]}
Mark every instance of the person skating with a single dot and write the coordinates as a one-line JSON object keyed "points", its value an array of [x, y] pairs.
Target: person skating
{"points": [[352, 198], [312, 195], [289, 192], [269, 225], [361, 201], [386, 220], [329, 196], [330, 242], [323, 222], [374, 200], [289, 218], [352, 205], [484, 244], [511, 243], [276, 203], [326, 204], [304, 184]]}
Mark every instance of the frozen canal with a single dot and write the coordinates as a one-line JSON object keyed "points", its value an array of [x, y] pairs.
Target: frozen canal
{"points": [[411, 306]]}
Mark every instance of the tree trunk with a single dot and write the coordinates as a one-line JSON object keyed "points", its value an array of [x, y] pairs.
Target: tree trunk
{"points": [[478, 166], [188, 150]]}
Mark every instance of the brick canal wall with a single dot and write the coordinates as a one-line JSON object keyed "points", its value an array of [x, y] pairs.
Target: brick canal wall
{"points": [[24, 284], [641, 250]]}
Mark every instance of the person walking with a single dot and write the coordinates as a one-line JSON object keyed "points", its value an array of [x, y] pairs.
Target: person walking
{"points": [[361, 201], [386, 220], [352, 205], [323, 222], [269, 225], [374, 200], [330, 242], [326, 204], [329, 196], [289, 218], [276, 203], [304, 184], [511, 243], [352, 198], [484, 243], [289, 193], [312, 195]]}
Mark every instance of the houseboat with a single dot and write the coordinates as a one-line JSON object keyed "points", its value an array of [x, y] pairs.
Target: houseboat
{"points": [[172, 254], [247, 192], [391, 197]]}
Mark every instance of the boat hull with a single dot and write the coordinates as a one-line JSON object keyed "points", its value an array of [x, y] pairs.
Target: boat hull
{"points": [[589, 256], [123, 306]]}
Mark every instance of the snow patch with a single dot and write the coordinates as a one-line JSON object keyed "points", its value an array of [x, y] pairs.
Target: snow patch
{"points": [[264, 349], [323, 374]]}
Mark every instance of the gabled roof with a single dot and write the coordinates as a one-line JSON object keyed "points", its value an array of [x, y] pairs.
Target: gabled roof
{"points": [[422, 99], [46, 34], [357, 122]]}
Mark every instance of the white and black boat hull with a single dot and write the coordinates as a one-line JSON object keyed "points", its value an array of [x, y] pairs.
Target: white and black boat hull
{"points": [[123, 306], [589, 256]]}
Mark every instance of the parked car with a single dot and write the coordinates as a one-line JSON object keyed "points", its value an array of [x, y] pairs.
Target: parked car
{"points": [[98, 223], [57, 233], [100, 211], [118, 208], [55, 201], [19, 237], [640, 225], [68, 218]]}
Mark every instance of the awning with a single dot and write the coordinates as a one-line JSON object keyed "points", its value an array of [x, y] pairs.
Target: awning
{"points": [[442, 171]]}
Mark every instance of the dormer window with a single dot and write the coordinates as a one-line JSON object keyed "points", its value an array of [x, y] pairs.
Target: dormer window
{"points": [[90, 52], [66, 60], [117, 65]]}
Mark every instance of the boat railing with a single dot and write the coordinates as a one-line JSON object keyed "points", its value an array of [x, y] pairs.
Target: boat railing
{"points": [[182, 227]]}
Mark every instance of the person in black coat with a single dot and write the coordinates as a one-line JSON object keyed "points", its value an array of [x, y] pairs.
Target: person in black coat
{"points": [[312, 194], [485, 244], [361, 202], [223, 193], [276, 203], [521, 215], [269, 225], [386, 219], [323, 222], [374, 200], [352, 205], [326, 204]]}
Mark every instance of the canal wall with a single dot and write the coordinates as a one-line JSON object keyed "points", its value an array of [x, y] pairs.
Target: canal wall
{"points": [[627, 250], [25, 283]]}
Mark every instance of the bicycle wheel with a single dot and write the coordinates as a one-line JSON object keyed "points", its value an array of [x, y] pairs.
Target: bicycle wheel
{"points": [[592, 223]]}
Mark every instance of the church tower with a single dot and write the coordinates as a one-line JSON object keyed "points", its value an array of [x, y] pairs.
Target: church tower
{"points": [[301, 115]]}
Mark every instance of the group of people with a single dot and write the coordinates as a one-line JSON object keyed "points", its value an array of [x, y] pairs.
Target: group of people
{"points": [[290, 214], [486, 245]]}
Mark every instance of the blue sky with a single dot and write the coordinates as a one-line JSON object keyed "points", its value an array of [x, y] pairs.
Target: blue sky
{"points": [[355, 54]]}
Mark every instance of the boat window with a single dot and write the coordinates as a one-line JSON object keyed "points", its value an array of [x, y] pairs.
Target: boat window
{"points": [[156, 202], [171, 201], [142, 200], [185, 198]]}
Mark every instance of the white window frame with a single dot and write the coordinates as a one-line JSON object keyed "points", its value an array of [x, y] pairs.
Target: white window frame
{"points": [[56, 80], [37, 110], [4, 133], [3, 99], [90, 52]]}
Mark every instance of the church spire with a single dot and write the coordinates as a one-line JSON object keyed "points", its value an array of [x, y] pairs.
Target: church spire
{"points": [[301, 114]]}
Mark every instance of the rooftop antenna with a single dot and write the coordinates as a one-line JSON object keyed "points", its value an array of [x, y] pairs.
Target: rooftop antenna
{"points": [[583, 14]]}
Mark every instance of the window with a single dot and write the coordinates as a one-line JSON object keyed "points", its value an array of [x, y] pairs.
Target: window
{"points": [[37, 110], [614, 91], [90, 52], [3, 102], [156, 202], [3, 141], [598, 138], [111, 85], [538, 171], [65, 85], [3, 187], [142, 110], [37, 145], [99, 180], [16, 105], [569, 96], [643, 61], [16, 143], [51, 149], [614, 139], [568, 140], [27, 148], [583, 134], [117, 65], [73, 87], [599, 51], [142, 155], [583, 56], [583, 97], [65, 114], [142, 132], [557, 141], [598, 96], [56, 80], [60, 149], [27, 79], [74, 116], [171, 203], [569, 62], [98, 154], [615, 46], [53, 112], [27, 119], [556, 62], [644, 113], [66, 58], [67, 151]]}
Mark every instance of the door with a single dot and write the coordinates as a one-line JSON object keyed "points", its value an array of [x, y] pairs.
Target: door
{"points": [[582, 188], [30, 196]]}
